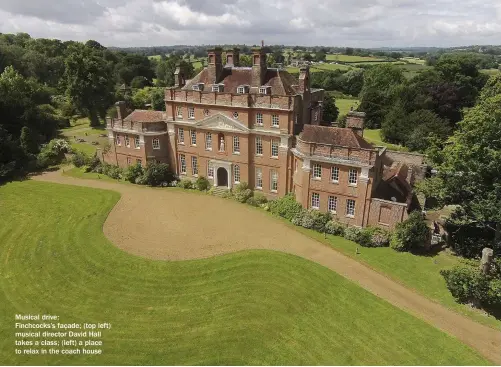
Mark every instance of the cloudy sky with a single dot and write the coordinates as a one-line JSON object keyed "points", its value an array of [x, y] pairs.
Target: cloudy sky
{"points": [[359, 23]]}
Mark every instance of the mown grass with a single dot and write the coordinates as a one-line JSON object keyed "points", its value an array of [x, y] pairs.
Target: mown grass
{"points": [[374, 136], [344, 105], [88, 149], [253, 307]]}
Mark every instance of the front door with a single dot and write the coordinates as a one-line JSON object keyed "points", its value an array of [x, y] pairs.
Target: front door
{"points": [[222, 177]]}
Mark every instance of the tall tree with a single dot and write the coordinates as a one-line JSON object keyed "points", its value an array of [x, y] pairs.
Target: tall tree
{"points": [[379, 92], [89, 81], [469, 166]]}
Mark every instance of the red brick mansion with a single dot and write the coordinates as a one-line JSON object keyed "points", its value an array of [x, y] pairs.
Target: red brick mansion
{"points": [[261, 125]]}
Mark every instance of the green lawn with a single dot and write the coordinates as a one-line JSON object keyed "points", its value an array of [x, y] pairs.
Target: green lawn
{"points": [[344, 105], [374, 136], [421, 273], [490, 71], [86, 148], [253, 307]]}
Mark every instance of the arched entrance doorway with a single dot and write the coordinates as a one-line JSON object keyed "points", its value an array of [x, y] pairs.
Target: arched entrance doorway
{"points": [[222, 177]]}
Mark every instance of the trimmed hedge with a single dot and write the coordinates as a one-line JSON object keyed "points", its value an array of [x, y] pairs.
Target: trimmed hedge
{"points": [[286, 207]]}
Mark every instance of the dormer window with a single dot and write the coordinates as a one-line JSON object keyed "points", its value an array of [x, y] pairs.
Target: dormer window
{"points": [[265, 89], [217, 87], [198, 87], [243, 89]]}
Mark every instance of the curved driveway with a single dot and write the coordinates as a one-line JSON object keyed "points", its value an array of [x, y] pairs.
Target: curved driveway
{"points": [[177, 225]]}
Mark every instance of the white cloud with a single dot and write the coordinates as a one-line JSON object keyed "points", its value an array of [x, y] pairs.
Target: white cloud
{"points": [[358, 23]]}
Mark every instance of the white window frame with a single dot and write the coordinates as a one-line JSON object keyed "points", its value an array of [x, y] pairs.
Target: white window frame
{"points": [[236, 144], [262, 90], [335, 174], [353, 177], [191, 113], [137, 142], [259, 119], [273, 180], [236, 174], [315, 115], [118, 140], [215, 88], [127, 141], [193, 138], [315, 200], [182, 164], [208, 141], [275, 121], [179, 112], [274, 148], [317, 171], [259, 146], [350, 208], [241, 90], [259, 179], [156, 143], [332, 204], [129, 161], [180, 135], [210, 171], [194, 166]]}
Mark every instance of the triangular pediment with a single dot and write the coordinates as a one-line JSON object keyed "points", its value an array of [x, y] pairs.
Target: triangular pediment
{"points": [[222, 122]]}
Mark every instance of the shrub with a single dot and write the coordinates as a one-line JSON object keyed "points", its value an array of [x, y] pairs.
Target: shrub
{"points": [[335, 228], [132, 173], [379, 237], [185, 184], [114, 172], [202, 183], [260, 198], [364, 237], [156, 174], [52, 153], [353, 234], [227, 195], [307, 220], [242, 192], [140, 180], [311, 219], [410, 235], [80, 159], [297, 220], [252, 201], [286, 207], [467, 284]]}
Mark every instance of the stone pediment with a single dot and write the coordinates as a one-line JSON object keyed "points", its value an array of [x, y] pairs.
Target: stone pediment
{"points": [[222, 122]]}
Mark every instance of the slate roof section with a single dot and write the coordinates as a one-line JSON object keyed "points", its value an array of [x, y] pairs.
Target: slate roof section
{"points": [[281, 82], [339, 136], [146, 116]]}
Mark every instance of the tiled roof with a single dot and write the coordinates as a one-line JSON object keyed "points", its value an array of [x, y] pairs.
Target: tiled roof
{"points": [[394, 184], [146, 116], [281, 82], [333, 136]]}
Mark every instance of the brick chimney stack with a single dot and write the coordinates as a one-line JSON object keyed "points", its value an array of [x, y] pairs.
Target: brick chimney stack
{"points": [[215, 65], [304, 79], [121, 111], [179, 80], [259, 67], [233, 57], [355, 121]]}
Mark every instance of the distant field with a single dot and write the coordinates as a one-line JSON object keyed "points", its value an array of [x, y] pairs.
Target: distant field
{"points": [[414, 60], [411, 70], [349, 58], [344, 105], [490, 71], [80, 129]]}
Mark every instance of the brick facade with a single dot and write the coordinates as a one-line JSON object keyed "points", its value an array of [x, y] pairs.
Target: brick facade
{"points": [[259, 128]]}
